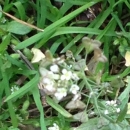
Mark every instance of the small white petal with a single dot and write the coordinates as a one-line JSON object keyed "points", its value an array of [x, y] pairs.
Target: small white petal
{"points": [[61, 92], [53, 76], [14, 88], [106, 112], [62, 77], [115, 105], [56, 76], [43, 71], [118, 110], [46, 81], [108, 102], [66, 75], [58, 96], [54, 68], [74, 89], [86, 68], [50, 88], [113, 102], [64, 71]]}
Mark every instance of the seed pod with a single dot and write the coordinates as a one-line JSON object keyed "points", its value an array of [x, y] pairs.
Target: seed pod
{"points": [[25, 105], [28, 53]]}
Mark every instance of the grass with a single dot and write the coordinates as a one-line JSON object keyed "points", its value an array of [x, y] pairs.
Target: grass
{"points": [[56, 28]]}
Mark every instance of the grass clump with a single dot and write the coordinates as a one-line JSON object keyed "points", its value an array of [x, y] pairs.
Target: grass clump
{"points": [[64, 65]]}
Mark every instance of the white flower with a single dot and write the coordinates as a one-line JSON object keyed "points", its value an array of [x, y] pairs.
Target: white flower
{"points": [[106, 112], [108, 102], [47, 81], [50, 88], [48, 84], [74, 89], [45, 73], [118, 110], [14, 88], [54, 68], [61, 92], [66, 75], [55, 127], [38, 55], [54, 76], [112, 103], [86, 68]]}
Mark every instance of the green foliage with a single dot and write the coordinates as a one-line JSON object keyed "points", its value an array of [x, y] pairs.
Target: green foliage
{"points": [[59, 28]]}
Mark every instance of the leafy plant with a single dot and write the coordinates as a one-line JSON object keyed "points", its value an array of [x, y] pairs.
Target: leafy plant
{"points": [[84, 53]]}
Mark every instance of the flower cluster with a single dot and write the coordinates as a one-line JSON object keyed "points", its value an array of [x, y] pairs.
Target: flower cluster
{"points": [[58, 82], [58, 76], [112, 107], [14, 88]]}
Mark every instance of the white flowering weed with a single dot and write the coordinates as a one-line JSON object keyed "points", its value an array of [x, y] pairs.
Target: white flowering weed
{"points": [[14, 88], [54, 68], [74, 88], [66, 75], [60, 93]]}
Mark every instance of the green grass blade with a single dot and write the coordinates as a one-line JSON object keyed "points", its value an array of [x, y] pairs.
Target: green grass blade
{"points": [[23, 90], [66, 6], [37, 100], [77, 38], [5, 83], [21, 10], [118, 21], [42, 11], [122, 75], [70, 30], [56, 44], [1, 92], [57, 107], [54, 26], [94, 25], [107, 28], [15, 62], [5, 43]]}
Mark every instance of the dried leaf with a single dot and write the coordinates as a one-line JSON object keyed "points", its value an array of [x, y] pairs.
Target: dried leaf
{"points": [[80, 65], [90, 44], [99, 56], [81, 116], [75, 104], [128, 109], [38, 55], [127, 58]]}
